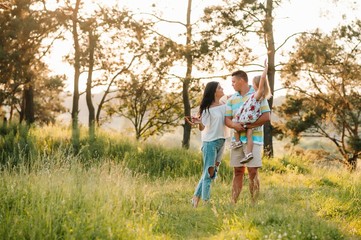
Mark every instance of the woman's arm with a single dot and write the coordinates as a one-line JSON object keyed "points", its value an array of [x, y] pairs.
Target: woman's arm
{"points": [[199, 122], [195, 120]]}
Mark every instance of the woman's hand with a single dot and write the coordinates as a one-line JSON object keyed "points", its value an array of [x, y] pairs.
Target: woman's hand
{"points": [[193, 120], [196, 120]]}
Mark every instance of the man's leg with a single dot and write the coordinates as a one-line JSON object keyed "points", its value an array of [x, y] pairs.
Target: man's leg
{"points": [[237, 182], [254, 185]]}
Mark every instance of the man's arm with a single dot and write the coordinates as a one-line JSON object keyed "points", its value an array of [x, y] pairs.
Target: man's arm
{"points": [[236, 126]]}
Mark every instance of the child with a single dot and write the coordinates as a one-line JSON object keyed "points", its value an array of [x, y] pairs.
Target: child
{"points": [[250, 111]]}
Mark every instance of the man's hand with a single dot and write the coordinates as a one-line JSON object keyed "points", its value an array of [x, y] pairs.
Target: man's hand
{"points": [[239, 127], [236, 126]]}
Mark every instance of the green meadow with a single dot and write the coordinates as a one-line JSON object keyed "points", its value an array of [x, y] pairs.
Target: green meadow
{"points": [[115, 188]]}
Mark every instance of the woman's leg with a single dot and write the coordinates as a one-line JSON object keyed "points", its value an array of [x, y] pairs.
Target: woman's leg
{"points": [[210, 154]]}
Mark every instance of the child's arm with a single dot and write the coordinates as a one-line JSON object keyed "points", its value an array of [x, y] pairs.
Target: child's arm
{"points": [[258, 95]]}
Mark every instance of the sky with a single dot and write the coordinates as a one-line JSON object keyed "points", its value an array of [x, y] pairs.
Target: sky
{"points": [[290, 17]]}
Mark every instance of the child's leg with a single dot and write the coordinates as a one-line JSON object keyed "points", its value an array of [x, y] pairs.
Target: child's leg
{"points": [[237, 136], [249, 140], [236, 142]]}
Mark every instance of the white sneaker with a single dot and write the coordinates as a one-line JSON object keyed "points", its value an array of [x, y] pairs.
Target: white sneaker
{"points": [[235, 145], [247, 158]]}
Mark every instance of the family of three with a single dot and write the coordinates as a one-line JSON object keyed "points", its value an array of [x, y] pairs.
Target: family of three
{"points": [[245, 112]]}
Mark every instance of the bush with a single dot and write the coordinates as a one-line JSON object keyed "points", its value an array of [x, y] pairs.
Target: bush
{"points": [[16, 145]]}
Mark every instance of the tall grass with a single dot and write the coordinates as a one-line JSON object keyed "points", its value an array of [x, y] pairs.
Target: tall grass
{"points": [[118, 189]]}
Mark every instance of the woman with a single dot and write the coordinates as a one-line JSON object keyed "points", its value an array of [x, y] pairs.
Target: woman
{"points": [[210, 121]]}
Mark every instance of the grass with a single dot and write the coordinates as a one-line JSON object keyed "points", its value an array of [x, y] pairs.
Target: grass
{"points": [[119, 189]]}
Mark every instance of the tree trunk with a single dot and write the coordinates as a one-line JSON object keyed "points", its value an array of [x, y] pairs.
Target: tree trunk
{"points": [[187, 81], [89, 102], [268, 27], [75, 109], [102, 101], [29, 103], [22, 109], [187, 112], [352, 162]]}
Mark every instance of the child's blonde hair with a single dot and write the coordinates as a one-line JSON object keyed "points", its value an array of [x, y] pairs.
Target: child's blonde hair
{"points": [[267, 90]]}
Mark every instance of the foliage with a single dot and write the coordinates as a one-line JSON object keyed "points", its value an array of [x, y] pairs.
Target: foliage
{"points": [[145, 96], [48, 101], [286, 165], [323, 76], [227, 32], [144, 100], [24, 27], [16, 146]]}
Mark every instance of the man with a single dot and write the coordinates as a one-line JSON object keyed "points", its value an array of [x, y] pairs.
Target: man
{"points": [[243, 92]]}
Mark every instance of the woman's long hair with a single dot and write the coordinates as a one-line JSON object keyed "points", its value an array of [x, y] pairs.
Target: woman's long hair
{"points": [[208, 97]]}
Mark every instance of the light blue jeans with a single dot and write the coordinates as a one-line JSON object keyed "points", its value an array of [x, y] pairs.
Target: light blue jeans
{"points": [[212, 152]]}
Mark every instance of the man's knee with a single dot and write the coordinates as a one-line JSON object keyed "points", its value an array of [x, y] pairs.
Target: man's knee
{"points": [[253, 173], [239, 171]]}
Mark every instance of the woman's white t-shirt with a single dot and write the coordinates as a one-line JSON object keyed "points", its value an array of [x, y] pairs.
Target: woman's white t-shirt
{"points": [[214, 125]]}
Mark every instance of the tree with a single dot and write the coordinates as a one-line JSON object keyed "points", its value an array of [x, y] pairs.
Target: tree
{"points": [[70, 19], [188, 77], [185, 53], [193, 55], [230, 27], [24, 27], [323, 76], [145, 96], [48, 101], [145, 102], [77, 53], [89, 26], [122, 41]]}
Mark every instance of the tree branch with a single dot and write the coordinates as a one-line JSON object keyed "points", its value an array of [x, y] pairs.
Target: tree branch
{"points": [[288, 38]]}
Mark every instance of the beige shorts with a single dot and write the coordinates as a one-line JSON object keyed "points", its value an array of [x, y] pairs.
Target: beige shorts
{"points": [[238, 154]]}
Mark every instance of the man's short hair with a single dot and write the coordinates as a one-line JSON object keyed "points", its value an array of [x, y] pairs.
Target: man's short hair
{"points": [[240, 74]]}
